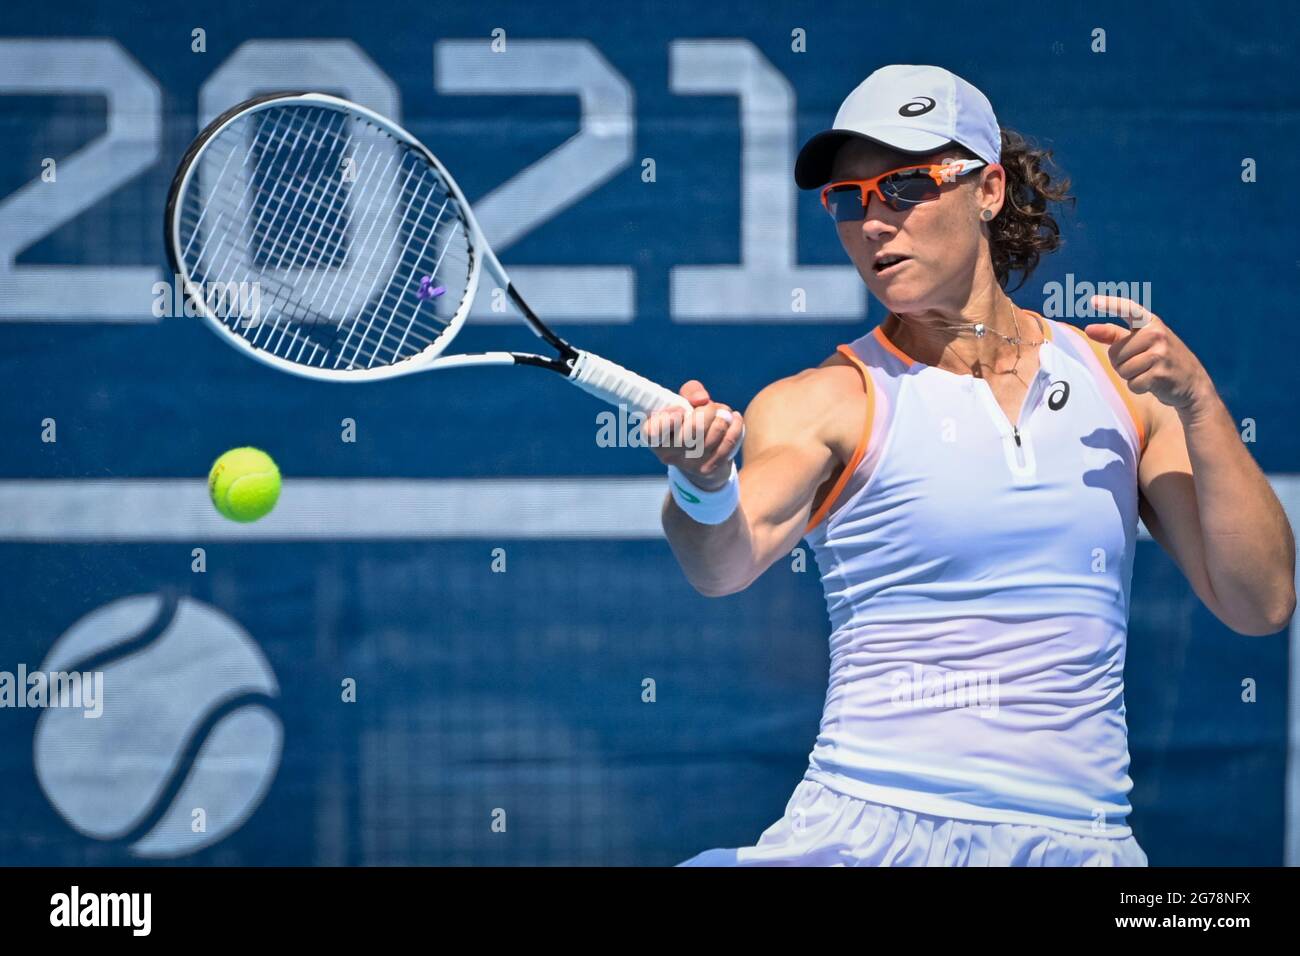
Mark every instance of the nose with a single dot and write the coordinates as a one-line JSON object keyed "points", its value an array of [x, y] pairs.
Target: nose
{"points": [[874, 227], [875, 218]]}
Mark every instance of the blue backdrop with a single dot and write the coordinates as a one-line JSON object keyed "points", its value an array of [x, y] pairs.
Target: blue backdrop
{"points": [[502, 716]]}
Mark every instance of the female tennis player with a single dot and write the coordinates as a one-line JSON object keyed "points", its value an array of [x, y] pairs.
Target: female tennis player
{"points": [[969, 475]]}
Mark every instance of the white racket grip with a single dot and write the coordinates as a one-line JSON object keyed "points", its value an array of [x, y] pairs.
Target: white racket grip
{"points": [[613, 383]]}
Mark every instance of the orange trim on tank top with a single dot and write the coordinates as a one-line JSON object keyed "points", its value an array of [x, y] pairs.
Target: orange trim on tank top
{"points": [[888, 346], [861, 448]]}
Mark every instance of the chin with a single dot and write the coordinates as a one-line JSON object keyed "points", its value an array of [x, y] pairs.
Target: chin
{"points": [[895, 297]]}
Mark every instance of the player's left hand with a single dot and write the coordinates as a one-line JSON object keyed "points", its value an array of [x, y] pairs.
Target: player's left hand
{"points": [[1148, 356]]}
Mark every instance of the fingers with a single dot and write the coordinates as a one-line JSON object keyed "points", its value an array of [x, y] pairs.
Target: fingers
{"points": [[720, 443], [1118, 341], [730, 442], [1131, 312], [1148, 334], [698, 442], [695, 393], [702, 440], [664, 428], [1105, 333], [1133, 368], [701, 433]]}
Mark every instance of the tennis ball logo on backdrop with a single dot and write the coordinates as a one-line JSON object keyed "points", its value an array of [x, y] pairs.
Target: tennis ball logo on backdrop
{"points": [[188, 742]]}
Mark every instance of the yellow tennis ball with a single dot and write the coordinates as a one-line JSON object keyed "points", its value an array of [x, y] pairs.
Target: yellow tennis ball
{"points": [[244, 484]]}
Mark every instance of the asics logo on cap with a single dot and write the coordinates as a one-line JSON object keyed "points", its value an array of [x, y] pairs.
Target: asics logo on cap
{"points": [[917, 107]]}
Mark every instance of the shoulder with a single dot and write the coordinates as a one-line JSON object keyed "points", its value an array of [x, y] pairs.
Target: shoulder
{"points": [[825, 404], [812, 391]]}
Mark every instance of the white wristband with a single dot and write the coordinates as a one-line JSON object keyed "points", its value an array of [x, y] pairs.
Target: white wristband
{"points": [[706, 507]]}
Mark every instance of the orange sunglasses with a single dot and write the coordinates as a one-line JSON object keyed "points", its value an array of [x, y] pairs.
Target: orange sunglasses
{"points": [[899, 189]]}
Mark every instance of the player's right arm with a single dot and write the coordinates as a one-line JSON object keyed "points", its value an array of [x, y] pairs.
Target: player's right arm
{"points": [[798, 433]]}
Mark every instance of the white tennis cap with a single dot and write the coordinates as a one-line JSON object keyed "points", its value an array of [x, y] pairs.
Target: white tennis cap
{"points": [[913, 109]]}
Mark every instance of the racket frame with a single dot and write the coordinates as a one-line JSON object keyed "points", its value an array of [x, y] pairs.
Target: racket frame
{"points": [[593, 374], [480, 253]]}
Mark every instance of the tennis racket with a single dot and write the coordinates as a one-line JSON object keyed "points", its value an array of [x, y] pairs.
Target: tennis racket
{"points": [[364, 254]]}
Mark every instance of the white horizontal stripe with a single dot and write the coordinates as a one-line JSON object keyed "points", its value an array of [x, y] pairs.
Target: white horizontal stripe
{"points": [[335, 508], [142, 509]]}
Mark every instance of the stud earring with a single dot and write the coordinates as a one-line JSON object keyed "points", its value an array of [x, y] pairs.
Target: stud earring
{"points": [[986, 215]]}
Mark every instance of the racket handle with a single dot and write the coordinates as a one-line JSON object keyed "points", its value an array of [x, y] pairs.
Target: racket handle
{"points": [[618, 386]]}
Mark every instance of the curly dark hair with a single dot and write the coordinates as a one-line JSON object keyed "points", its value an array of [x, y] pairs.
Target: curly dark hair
{"points": [[1025, 228]]}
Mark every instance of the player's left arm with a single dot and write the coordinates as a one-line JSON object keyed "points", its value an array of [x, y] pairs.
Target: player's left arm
{"points": [[1203, 497]]}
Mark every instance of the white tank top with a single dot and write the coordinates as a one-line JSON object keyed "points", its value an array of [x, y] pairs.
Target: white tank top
{"points": [[977, 580]]}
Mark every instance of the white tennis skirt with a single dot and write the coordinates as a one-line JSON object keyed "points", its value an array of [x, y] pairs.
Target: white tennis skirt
{"points": [[825, 828]]}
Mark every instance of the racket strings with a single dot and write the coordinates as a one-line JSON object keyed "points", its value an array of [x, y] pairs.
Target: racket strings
{"points": [[266, 208], [311, 250], [288, 293], [324, 202], [284, 296], [347, 232]]}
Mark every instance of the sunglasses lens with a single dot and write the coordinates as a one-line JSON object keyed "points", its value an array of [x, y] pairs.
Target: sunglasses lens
{"points": [[905, 190], [844, 203]]}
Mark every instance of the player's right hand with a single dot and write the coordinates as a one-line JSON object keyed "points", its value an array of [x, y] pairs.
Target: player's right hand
{"points": [[700, 442]]}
